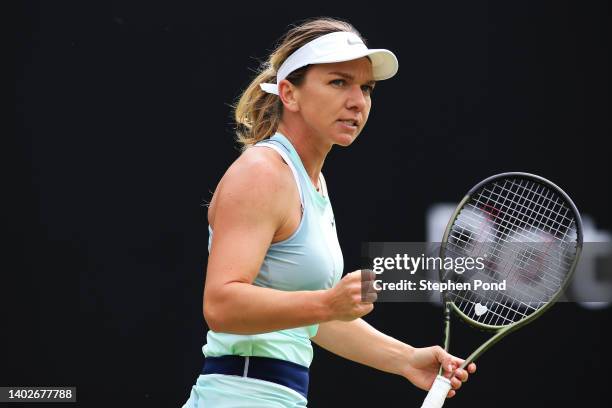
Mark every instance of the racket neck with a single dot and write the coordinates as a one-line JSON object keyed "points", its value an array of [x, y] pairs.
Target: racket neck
{"points": [[446, 331], [446, 326]]}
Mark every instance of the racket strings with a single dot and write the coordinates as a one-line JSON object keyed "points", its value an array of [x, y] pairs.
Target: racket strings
{"points": [[528, 234], [466, 242], [500, 306], [504, 225], [528, 254], [524, 259], [534, 213]]}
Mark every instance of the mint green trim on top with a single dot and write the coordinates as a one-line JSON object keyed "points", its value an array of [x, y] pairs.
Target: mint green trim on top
{"points": [[305, 181], [310, 259]]}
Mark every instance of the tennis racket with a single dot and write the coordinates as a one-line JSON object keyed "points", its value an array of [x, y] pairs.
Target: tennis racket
{"points": [[527, 233]]}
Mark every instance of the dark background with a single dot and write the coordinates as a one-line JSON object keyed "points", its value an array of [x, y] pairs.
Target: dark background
{"points": [[124, 127]]}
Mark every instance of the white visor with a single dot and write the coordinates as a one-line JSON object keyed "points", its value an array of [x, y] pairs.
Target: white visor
{"points": [[336, 47]]}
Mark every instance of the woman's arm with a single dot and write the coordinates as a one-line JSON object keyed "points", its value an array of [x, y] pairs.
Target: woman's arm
{"points": [[253, 200], [358, 341]]}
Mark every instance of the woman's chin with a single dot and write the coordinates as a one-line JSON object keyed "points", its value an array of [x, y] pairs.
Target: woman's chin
{"points": [[345, 139]]}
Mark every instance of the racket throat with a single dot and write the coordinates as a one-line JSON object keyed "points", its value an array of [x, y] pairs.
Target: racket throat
{"points": [[486, 345], [446, 333]]}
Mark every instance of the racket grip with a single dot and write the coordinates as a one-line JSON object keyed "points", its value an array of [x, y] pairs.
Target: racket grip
{"points": [[437, 394]]}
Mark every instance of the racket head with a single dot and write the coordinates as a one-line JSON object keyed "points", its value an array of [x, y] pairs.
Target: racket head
{"points": [[516, 217]]}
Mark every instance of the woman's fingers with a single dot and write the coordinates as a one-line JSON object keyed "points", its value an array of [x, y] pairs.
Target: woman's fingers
{"points": [[464, 375], [369, 293], [457, 375], [471, 368], [452, 366], [455, 383], [461, 374], [457, 361]]}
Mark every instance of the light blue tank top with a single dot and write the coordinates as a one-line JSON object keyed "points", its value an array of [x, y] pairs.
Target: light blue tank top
{"points": [[310, 259]]}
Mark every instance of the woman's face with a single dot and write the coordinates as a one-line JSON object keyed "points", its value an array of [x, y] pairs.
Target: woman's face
{"points": [[335, 100]]}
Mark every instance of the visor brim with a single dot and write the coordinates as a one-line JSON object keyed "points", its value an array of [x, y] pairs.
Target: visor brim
{"points": [[384, 62]]}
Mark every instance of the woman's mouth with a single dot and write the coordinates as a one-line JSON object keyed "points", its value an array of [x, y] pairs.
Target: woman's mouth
{"points": [[348, 124]]}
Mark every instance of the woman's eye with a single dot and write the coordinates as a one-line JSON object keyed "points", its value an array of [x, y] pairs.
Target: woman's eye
{"points": [[367, 89], [338, 82]]}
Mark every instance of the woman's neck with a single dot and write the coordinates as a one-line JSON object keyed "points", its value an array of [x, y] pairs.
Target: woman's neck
{"points": [[311, 150]]}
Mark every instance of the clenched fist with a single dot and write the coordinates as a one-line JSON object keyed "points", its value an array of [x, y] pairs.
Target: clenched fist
{"points": [[353, 296]]}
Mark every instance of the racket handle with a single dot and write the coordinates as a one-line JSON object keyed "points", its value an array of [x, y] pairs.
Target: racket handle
{"points": [[437, 394]]}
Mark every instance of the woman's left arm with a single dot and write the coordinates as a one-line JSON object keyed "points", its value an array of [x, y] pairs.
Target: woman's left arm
{"points": [[358, 341]]}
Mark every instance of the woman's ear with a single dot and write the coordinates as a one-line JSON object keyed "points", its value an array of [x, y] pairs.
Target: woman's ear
{"points": [[288, 94]]}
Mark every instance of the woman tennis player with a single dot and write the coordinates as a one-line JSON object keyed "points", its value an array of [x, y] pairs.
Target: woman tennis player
{"points": [[274, 277]]}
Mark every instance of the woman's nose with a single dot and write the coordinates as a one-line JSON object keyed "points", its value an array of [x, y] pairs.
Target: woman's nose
{"points": [[356, 99]]}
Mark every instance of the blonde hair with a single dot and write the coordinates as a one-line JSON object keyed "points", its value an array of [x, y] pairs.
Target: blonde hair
{"points": [[258, 113]]}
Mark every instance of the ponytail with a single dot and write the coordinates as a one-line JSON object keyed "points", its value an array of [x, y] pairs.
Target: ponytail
{"points": [[257, 113]]}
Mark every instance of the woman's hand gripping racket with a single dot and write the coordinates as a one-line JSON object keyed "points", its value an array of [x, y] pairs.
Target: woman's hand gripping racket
{"points": [[527, 234]]}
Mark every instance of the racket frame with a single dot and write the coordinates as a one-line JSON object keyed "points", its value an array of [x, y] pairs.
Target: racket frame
{"points": [[501, 332]]}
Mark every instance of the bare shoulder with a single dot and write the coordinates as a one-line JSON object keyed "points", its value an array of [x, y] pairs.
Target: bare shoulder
{"points": [[258, 169], [259, 180]]}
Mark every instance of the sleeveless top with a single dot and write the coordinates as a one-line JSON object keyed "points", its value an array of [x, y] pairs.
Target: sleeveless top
{"points": [[310, 259]]}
